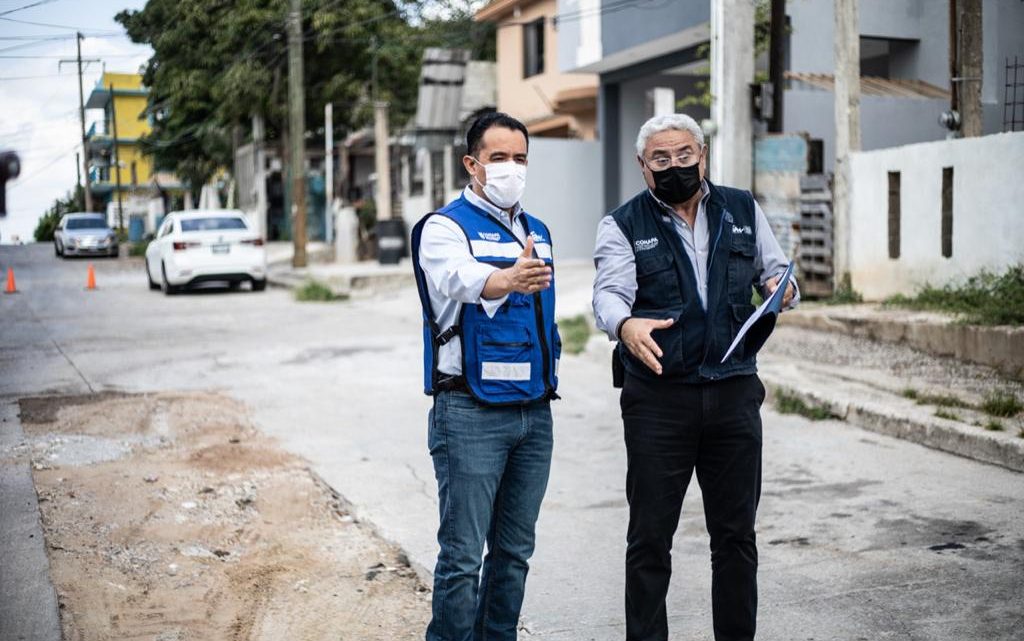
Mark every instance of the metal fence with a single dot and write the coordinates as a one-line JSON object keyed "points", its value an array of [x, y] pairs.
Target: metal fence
{"points": [[1013, 96]]}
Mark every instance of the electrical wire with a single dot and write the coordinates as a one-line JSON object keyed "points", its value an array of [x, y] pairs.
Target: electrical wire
{"points": [[51, 25], [27, 6]]}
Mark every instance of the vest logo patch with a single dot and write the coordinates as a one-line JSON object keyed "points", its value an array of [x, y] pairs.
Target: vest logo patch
{"points": [[491, 236], [645, 245], [537, 238], [743, 230]]}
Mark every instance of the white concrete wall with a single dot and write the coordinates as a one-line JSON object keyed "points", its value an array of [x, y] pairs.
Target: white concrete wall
{"points": [[988, 213], [563, 189]]}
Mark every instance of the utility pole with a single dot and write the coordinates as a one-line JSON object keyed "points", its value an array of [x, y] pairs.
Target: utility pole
{"points": [[296, 130], [78, 169], [81, 116], [732, 72], [954, 61], [970, 59], [847, 119], [776, 62], [383, 160], [329, 171], [116, 159]]}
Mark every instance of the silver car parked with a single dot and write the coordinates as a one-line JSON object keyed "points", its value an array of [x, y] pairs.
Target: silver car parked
{"points": [[82, 234]]}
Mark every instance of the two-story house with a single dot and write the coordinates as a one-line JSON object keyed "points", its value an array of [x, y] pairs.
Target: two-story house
{"points": [[531, 85]]}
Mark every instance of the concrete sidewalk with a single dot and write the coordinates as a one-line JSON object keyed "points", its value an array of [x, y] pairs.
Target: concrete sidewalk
{"points": [[1001, 348]]}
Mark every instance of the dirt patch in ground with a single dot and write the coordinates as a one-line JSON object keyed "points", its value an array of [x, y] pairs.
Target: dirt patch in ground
{"points": [[168, 517]]}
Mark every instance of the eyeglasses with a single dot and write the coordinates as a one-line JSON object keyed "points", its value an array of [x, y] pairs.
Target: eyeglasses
{"points": [[660, 163]]}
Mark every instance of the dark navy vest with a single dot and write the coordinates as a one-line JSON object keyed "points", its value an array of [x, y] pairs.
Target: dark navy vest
{"points": [[511, 358], [667, 287]]}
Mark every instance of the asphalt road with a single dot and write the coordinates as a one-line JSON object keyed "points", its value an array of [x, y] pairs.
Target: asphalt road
{"points": [[861, 536]]}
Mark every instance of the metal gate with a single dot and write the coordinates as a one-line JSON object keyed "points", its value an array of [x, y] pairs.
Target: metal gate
{"points": [[814, 251]]}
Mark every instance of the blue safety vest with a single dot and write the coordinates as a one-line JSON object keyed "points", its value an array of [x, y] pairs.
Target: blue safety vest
{"points": [[511, 358]]}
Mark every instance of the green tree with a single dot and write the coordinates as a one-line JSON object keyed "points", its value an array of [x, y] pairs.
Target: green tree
{"points": [[72, 201], [216, 63]]}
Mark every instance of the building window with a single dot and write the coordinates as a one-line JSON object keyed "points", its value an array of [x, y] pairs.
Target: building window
{"points": [[894, 214], [947, 212], [135, 174], [533, 48], [889, 58]]}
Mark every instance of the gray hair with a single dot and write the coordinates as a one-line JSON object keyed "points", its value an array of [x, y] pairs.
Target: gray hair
{"points": [[658, 124]]}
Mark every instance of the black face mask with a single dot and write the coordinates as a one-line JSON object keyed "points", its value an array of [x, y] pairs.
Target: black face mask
{"points": [[676, 185]]}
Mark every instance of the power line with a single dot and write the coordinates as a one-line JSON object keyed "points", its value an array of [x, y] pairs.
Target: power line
{"points": [[27, 6], [112, 55], [54, 26], [99, 35], [52, 75]]}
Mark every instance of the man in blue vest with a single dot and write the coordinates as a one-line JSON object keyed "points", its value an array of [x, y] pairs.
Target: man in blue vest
{"points": [[676, 265], [485, 277]]}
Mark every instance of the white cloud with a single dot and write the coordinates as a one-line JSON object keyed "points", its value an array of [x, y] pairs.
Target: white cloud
{"points": [[39, 116]]}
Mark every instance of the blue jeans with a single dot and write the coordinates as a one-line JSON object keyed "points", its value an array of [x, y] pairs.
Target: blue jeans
{"points": [[491, 465]]}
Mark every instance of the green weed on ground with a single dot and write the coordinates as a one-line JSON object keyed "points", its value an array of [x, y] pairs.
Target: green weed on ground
{"points": [[139, 248], [315, 291], [1001, 403], [788, 403], [941, 400], [575, 332], [985, 299], [994, 426], [845, 294]]}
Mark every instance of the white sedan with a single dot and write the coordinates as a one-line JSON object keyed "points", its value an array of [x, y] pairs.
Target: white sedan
{"points": [[201, 246]]}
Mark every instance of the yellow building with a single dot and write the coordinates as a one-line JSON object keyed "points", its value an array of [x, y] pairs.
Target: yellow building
{"points": [[122, 178]]}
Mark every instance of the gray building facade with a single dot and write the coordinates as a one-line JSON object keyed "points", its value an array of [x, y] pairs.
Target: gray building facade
{"points": [[904, 45]]}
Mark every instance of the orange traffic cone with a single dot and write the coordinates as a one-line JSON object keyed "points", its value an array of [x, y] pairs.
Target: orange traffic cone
{"points": [[90, 280], [11, 287]]}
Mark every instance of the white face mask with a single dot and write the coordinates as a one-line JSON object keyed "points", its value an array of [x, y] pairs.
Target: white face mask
{"points": [[506, 182]]}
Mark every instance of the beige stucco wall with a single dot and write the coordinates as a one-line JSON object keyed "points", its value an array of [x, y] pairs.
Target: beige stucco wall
{"points": [[521, 97]]}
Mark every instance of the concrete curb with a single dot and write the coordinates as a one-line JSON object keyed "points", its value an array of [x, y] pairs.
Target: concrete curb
{"points": [[1001, 348], [351, 281], [28, 601], [1004, 450]]}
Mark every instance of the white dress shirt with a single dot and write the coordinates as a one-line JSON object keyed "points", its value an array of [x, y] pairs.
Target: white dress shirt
{"points": [[454, 277]]}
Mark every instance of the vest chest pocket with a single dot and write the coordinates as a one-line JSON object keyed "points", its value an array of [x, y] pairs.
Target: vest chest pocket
{"points": [[741, 268], [657, 281], [504, 357]]}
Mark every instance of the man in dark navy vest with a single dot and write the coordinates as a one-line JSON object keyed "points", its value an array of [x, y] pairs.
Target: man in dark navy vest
{"points": [[676, 267], [485, 276]]}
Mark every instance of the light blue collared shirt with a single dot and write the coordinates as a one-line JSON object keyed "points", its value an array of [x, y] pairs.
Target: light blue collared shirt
{"points": [[453, 275], [615, 282]]}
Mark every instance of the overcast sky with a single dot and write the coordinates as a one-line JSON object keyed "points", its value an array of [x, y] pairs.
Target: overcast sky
{"points": [[39, 108]]}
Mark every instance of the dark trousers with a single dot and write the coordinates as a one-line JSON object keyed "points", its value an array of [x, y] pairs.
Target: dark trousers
{"points": [[671, 430]]}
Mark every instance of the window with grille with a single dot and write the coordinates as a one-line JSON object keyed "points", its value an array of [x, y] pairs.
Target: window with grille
{"points": [[894, 214], [947, 212]]}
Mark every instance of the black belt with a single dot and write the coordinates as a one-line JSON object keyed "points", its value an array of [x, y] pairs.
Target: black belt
{"points": [[453, 384]]}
